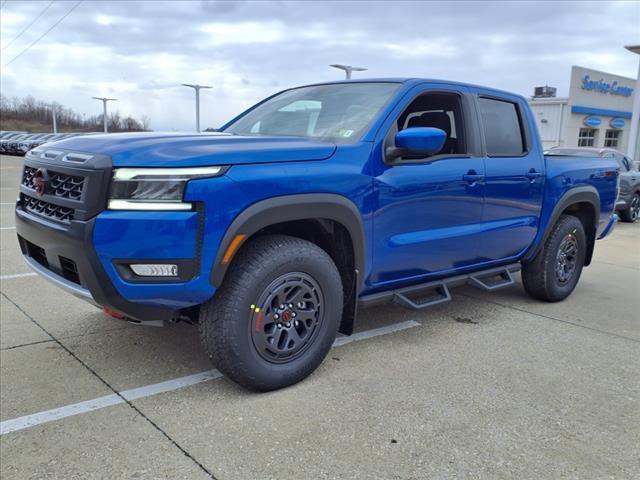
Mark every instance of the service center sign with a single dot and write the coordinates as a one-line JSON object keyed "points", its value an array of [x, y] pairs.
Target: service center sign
{"points": [[592, 121], [601, 86], [616, 122]]}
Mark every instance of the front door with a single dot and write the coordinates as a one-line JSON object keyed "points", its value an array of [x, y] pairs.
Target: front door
{"points": [[428, 211]]}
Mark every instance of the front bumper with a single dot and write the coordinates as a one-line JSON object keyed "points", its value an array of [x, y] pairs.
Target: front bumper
{"points": [[65, 256]]}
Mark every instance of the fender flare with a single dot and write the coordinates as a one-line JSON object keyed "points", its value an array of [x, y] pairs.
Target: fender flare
{"points": [[287, 208], [583, 194]]}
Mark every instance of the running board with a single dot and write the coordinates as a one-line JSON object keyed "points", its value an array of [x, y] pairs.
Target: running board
{"points": [[418, 297], [483, 281]]}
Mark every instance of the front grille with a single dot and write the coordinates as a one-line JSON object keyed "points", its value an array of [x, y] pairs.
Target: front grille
{"points": [[60, 184], [46, 209]]}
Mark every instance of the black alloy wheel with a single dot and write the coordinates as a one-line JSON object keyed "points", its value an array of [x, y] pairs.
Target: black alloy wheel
{"points": [[287, 317]]}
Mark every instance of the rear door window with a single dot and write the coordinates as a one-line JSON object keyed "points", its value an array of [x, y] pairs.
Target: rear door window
{"points": [[502, 127]]}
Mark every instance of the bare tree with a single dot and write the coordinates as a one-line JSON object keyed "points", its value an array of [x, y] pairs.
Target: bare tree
{"points": [[35, 115]]}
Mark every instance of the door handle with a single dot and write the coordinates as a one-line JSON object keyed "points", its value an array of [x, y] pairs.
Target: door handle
{"points": [[533, 174], [472, 178]]}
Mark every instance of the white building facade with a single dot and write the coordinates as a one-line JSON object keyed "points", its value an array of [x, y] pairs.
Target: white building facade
{"points": [[597, 112]]}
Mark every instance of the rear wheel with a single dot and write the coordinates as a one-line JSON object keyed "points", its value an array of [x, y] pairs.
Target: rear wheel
{"points": [[632, 212], [275, 317], [555, 271]]}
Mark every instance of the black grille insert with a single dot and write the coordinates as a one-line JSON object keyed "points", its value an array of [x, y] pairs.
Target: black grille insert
{"points": [[46, 209], [69, 269], [60, 184], [37, 253]]}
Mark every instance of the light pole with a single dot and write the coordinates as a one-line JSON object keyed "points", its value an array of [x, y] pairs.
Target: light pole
{"points": [[197, 88], [348, 69], [104, 101], [53, 111], [632, 148]]}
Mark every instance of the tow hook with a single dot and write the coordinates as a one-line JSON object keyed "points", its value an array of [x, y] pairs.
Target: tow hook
{"points": [[113, 313]]}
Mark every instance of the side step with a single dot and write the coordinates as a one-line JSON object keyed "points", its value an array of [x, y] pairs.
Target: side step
{"points": [[418, 297], [491, 281]]}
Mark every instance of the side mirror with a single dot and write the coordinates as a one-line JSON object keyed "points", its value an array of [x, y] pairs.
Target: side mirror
{"points": [[417, 141]]}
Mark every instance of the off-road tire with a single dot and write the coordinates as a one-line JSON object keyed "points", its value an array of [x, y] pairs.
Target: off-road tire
{"points": [[632, 212], [226, 321], [540, 276]]}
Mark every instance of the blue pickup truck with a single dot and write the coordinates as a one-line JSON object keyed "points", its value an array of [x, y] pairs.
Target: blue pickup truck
{"points": [[317, 201]]}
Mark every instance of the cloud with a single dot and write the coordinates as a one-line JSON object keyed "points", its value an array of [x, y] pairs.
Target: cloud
{"points": [[140, 52]]}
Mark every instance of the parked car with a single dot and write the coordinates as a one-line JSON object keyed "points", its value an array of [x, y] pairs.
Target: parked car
{"points": [[14, 145], [317, 200], [6, 143], [628, 203], [28, 143], [7, 135]]}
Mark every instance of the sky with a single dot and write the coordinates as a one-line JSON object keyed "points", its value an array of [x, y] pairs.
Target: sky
{"points": [[140, 52]]}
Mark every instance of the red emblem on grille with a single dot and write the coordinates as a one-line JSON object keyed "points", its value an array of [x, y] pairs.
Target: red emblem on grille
{"points": [[40, 180]]}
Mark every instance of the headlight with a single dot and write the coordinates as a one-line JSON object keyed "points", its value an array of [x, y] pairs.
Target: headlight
{"points": [[154, 188]]}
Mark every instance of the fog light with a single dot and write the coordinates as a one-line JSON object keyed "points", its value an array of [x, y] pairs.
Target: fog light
{"points": [[155, 269]]}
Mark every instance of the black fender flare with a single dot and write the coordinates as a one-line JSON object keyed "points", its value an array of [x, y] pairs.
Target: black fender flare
{"points": [[287, 208], [584, 194]]}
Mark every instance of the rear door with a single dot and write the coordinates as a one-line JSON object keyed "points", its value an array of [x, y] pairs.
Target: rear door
{"points": [[514, 177]]}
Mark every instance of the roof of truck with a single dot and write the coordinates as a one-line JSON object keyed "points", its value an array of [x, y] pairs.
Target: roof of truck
{"points": [[413, 80]]}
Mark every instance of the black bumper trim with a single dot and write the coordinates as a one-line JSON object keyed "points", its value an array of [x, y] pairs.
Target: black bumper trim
{"points": [[74, 241]]}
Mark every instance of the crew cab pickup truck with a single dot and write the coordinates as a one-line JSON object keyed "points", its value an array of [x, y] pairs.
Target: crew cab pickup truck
{"points": [[272, 232]]}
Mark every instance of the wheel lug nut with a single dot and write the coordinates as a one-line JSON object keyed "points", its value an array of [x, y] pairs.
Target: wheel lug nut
{"points": [[276, 316], [293, 314], [282, 306], [279, 325], [288, 324], [291, 305]]}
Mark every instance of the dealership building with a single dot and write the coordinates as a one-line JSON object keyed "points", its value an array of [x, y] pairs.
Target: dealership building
{"points": [[597, 112]]}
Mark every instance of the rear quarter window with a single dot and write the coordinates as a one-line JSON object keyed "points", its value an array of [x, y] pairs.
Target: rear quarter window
{"points": [[502, 127]]}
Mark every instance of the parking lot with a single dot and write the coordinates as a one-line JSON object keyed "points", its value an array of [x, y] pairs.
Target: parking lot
{"points": [[491, 385]]}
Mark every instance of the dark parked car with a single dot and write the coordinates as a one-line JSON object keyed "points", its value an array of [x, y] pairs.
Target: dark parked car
{"points": [[6, 144], [6, 136], [33, 141], [628, 204], [27, 144]]}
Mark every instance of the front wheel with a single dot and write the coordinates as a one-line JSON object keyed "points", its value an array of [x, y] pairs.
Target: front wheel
{"points": [[276, 316], [632, 212], [555, 271]]}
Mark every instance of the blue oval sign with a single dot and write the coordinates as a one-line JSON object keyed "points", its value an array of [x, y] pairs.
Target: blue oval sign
{"points": [[617, 122], [592, 121]]}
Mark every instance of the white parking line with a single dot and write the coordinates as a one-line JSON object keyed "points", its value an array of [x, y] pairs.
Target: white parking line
{"points": [[8, 203], [47, 416], [7, 228], [18, 275]]}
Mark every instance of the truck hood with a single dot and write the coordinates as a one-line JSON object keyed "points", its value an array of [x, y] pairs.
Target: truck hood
{"points": [[153, 149]]}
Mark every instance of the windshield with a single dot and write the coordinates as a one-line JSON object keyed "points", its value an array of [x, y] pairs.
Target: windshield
{"points": [[339, 112]]}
